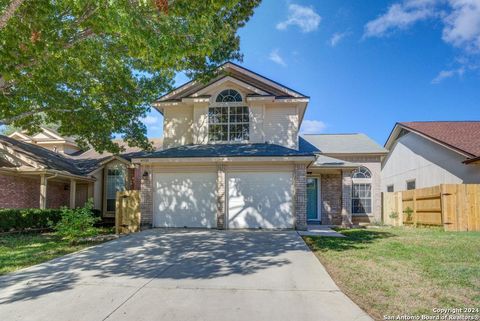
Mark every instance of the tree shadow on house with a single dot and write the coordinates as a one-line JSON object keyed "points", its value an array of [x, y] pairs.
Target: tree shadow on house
{"points": [[172, 255], [355, 239]]}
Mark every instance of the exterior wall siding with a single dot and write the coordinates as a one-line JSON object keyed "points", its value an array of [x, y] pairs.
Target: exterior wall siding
{"points": [[430, 164], [281, 125], [276, 123], [177, 126]]}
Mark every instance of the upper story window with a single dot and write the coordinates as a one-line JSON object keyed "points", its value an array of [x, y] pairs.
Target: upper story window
{"points": [[228, 118]]}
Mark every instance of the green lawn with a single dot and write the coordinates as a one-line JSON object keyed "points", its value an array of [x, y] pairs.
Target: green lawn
{"points": [[390, 271], [21, 250]]}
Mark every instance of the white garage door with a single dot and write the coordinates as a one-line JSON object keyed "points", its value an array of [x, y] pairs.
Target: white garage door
{"points": [[260, 200], [184, 199]]}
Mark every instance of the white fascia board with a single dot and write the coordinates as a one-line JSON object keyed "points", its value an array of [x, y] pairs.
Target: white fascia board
{"points": [[230, 79], [262, 79]]}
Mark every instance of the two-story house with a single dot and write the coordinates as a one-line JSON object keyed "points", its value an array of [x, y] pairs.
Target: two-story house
{"points": [[232, 157]]}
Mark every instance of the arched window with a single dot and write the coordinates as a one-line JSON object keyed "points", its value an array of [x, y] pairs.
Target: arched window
{"points": [[362, 172], [229, 96], [362, 191], [228, 118]]}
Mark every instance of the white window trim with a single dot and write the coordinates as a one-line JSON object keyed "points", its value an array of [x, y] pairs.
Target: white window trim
{"points": [[228, 105]]}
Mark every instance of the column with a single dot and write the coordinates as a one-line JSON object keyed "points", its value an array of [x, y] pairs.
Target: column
{"points": [[73, 192], [146, 197], [300, 199], [346, 198], [221, 197], [43, 192]]}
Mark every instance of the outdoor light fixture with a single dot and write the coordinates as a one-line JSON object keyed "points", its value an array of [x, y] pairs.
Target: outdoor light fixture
{"points": [[145, 174]]}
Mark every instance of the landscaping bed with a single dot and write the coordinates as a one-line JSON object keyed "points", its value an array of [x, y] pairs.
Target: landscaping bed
{"points": [[391, 271]]}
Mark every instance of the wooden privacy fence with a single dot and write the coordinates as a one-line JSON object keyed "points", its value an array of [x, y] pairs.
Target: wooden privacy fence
{"points": [[127, 212], [456, 207]]}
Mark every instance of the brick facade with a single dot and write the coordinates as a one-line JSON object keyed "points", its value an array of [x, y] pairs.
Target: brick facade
{"points": [[24, 192], [221, 211], [346, 198], [57, 194], [300, 199], [146, 197], [331, 198]]}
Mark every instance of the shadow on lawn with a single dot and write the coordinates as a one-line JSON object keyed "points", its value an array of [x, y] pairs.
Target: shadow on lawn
{"points": [[355, 239]]}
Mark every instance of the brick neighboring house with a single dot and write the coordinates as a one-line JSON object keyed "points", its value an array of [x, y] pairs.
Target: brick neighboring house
{"points": [[47, 170]]}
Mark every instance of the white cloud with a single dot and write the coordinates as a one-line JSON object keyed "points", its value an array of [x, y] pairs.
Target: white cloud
{"points": [[276, 58], [462, 25], [400, 16], [149, 120], [337, 37], [301, 16], [312, 127], [445, 74]]}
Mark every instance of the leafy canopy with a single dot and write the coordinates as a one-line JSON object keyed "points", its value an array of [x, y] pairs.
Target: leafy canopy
{"points": [[94, 67]]}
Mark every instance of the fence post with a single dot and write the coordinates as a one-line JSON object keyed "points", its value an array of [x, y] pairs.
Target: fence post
{"points": [[399, 201], [415, 215]]}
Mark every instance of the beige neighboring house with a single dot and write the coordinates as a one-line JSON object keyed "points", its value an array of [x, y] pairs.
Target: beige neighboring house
{"points": [[232, 158], [429, 153], [47, 170]]}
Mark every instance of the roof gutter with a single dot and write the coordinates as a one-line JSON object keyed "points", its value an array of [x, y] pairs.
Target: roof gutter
{"points": [[41, 171]]}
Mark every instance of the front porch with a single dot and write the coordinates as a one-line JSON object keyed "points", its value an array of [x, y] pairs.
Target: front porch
{"points": [[338, 193]]}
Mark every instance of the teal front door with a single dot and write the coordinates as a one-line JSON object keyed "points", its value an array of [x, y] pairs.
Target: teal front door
{"points": [[312, 199]]}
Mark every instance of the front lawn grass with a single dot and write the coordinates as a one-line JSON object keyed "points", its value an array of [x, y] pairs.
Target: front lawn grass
{"points": [[391, 271], [21, 250]]}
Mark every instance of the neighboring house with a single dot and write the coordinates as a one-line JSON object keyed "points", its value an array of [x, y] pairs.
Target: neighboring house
{"points": [[48, 171], [344, 160], [233, 158], [425, 154]]}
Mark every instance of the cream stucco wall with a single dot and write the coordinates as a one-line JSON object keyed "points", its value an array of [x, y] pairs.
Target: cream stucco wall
{"points": [[430, 164], [177, 125]]}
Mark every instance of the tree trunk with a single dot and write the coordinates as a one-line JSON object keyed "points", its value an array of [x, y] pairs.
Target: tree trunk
{"points": [[9, 12]]}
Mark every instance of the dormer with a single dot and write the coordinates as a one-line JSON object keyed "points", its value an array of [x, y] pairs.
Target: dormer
{"points": [[236, 106]]}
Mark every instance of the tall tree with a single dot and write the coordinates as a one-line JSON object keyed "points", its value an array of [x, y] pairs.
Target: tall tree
{"points": [[94, 67]]}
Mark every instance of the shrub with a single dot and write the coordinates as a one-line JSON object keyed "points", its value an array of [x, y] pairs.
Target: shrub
{"points": [[77, 223], [393, 215], [29, 218]]}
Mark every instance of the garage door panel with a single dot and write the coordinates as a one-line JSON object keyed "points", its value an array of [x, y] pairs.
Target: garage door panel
{"points": [[260, 200], [184, 199]]}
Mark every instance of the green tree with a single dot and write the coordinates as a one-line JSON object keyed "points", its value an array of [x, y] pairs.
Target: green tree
{"points": [[94, 67]]}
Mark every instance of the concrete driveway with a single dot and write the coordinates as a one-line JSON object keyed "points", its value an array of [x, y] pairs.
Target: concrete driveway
{"points": [[180, 275]]}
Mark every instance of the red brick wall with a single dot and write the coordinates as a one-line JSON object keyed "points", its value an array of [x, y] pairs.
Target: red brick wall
{"points": [[19, 192], [331, 199], [57, 196], [24, 192]]}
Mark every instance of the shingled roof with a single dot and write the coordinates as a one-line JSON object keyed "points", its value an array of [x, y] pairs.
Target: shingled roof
{"points": [[225, 150], [462, 136]]}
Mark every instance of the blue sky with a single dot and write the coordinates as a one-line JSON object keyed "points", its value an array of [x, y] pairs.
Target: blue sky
{"points": [[367, 64]]}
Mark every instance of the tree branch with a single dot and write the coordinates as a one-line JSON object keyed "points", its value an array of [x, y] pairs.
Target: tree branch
{"points": [[9, 12], [12, 119]]}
